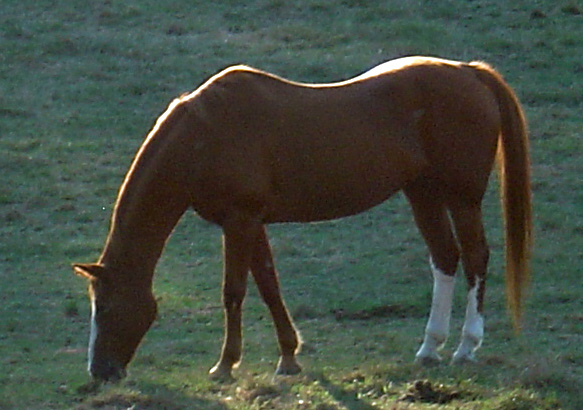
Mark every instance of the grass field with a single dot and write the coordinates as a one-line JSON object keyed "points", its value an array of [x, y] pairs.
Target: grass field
{"points": [[82, 82]]}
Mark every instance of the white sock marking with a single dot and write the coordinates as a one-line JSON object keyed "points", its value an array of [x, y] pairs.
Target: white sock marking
{"points": [[473, 330], [92, 335], [474, 322], [437, 329]]}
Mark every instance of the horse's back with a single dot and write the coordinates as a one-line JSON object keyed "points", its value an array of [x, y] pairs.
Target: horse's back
{"points": [[310, 152]]}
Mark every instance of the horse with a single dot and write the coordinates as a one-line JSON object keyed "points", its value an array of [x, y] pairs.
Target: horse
{"points": [[249, 148]]}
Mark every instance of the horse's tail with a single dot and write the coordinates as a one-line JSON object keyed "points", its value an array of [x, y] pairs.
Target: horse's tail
{"points": [[515, 193]]}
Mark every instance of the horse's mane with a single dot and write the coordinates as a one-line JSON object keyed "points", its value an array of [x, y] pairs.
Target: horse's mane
{"points": [[143, 167]]}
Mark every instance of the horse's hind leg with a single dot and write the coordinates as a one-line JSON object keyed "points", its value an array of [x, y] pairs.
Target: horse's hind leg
{"points": [[433, 221], [265, 275], [470, 232], [239, 233]]}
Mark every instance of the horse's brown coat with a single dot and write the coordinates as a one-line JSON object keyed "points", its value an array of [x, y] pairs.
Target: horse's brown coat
{"points": [[249, 148]]}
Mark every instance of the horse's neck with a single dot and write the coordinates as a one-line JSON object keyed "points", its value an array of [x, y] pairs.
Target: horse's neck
{"points": [[140, 229], [152, 199], [136, 240]]}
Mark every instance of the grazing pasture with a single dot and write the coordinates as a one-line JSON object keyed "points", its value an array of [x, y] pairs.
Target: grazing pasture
{"points": [[80, 86]]}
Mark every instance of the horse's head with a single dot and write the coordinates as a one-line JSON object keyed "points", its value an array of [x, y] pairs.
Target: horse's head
{"points": [[121, 313]]}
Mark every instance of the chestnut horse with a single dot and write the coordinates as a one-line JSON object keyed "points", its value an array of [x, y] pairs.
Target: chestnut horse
{"points": [[248, 148]]}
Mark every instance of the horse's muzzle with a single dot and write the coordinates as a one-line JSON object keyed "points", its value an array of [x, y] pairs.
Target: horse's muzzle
{"points": [[107, 371]]}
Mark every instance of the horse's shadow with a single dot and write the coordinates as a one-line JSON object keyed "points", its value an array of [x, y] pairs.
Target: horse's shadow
{"points": [[144, 396], [345, 397]]}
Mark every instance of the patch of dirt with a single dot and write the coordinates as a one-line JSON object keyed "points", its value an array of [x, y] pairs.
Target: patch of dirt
{"points": [[426, 392], [537, 14], [572, 9], [259, 393], [119, 401]]}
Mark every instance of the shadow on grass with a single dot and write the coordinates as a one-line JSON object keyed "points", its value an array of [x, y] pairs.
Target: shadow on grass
{"points": [[144, 397], [343, 396]]}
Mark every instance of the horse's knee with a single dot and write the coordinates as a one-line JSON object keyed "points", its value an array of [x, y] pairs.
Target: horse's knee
{"points": [[233, 298], [478, 257]]}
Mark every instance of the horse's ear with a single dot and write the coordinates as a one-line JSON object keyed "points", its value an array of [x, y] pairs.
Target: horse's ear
{"points": [[89, 270]]}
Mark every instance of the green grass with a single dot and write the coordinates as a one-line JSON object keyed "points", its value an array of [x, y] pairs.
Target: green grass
{"points": [[81, 84]]}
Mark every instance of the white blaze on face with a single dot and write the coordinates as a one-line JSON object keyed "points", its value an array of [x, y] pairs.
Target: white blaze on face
{"points": [[93, 334]]}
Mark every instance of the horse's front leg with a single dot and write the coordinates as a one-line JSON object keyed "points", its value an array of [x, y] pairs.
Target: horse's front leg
{"points": [[239, 233], [265, 275]]}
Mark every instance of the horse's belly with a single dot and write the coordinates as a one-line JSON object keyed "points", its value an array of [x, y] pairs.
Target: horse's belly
{"points": [[325, 202], [330, 187]]}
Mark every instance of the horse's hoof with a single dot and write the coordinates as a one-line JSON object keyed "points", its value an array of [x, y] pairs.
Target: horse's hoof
{"points": [[428, 361], [287, 367], [463, 360], [221, 374]]}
